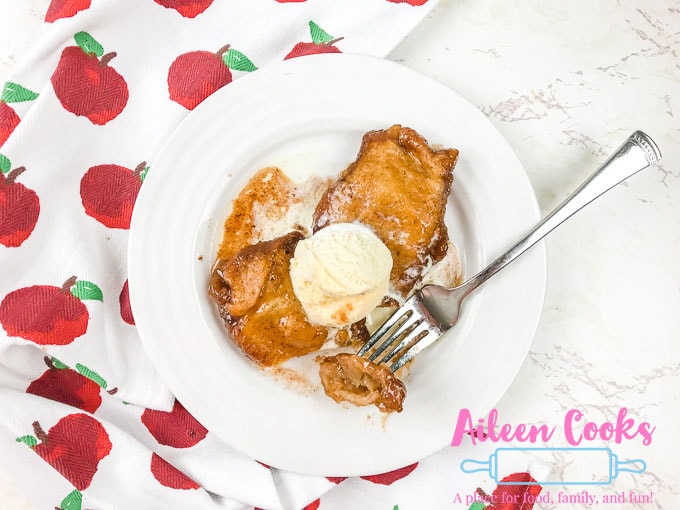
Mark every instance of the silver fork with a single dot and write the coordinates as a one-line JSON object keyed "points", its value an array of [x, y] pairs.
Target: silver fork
{"points": [[430, 311]]}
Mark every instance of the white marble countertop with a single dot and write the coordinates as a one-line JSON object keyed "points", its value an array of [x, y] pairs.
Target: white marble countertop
{"points": [[565, 83]]}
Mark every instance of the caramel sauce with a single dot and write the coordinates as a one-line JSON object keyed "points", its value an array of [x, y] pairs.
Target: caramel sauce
{"points": [[269, 192]]}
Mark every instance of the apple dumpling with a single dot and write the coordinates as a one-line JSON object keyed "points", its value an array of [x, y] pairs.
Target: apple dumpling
{"points": [[296, 255], [255, 298], [398, 186]]}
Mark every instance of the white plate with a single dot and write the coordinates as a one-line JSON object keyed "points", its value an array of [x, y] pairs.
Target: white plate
{"points": [[309, 114]]}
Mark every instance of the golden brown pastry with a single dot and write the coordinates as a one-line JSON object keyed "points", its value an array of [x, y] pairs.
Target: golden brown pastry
{"points": [[347, 377], [399, 187], [255, 298], [269, 193]]}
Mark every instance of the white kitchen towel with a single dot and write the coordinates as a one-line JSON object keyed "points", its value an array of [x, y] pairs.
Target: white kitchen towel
{"points": [[85, 420]]}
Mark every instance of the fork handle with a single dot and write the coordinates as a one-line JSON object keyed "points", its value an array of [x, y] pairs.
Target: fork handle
{"points": [[636, 153]]}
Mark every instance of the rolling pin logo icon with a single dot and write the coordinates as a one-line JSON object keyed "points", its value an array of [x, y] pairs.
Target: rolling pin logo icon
{"points": [[578, 466]]}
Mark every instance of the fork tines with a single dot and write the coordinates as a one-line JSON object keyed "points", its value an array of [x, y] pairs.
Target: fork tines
{"points": [[401, 334]]}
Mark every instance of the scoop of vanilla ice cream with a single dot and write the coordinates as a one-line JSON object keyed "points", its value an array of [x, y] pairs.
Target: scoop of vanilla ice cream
{"points": [[340, 274]]}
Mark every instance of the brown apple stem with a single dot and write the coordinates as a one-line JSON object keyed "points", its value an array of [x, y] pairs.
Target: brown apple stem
{"points": [[139, 169], [482, 494], [39, 432], [48, 361], [222, 50], [331, 43], [68, 284], [107, 58], [12, 175], [112, 391]]}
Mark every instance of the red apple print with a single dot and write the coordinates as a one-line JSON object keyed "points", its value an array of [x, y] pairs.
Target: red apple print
{"points": [[410, 2], [515, 494], [9, 120], [314, 505], [11, 93], [78, 388], [336, 479], [19, 206], [109, 192], [187, 8], [125, 308], [85, 83], [65, 9], [67, 386], [392, 476], [74, 447], [195, 75], [176, 428], [169, 475], [321, 43], [48, 315]]}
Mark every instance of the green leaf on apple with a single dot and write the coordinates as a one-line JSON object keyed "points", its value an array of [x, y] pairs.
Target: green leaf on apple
{"points": [[58, 364], [91, 374], [5, 164], [238, 61], [87, 290], [15, 93], [73, 501], [319, 36], [142, 174], [477, 505], [27, 440], [88, 44]]}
